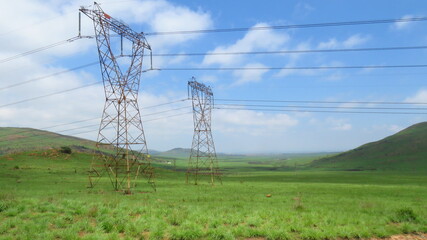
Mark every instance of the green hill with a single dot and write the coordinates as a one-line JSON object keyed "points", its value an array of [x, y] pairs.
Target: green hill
{"points": [[405, 150], [14, 140], [176, 152]]}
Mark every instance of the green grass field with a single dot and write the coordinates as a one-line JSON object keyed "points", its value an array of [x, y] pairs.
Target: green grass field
{"points": [[44, 196]]}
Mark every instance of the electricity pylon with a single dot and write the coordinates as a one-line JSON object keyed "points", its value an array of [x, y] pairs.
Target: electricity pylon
{"points": [[203, 160], [121, 139]]}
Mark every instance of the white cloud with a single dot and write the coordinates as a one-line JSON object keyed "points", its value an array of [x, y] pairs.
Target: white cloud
{"points": [[403, 25], [419, 97], [252, 41], [331, 43], [251, 122], [30, 29], [352, 41], [338, 124], [38, 24], [250, 75], [293, 59], [355, 40]]}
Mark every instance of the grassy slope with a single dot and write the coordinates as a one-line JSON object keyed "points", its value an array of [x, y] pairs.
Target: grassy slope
{"points": [[406, 150], [44, 196], [25, 139]]}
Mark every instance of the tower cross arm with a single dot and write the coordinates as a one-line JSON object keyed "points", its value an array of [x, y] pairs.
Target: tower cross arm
{"points": [[117, 26], [201, 87]]}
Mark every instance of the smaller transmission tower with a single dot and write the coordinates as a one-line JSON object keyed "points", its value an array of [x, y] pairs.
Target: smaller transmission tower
{"points": [[203, 160]]}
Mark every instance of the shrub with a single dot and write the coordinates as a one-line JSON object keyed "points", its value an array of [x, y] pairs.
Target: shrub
{"points": [[3, 206], [65, 149], [404, 215]]}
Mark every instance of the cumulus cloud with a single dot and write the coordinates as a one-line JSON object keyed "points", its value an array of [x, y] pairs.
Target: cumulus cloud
{"points": [[252, 41], [403, 25], [338, 124], [419, 97], [252, 122], [352, 41], [355, 40], [39, 23], [247, 76], [162, 16]]}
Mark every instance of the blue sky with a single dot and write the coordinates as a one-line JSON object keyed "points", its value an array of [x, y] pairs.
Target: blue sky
{"points": [[40, 23]]}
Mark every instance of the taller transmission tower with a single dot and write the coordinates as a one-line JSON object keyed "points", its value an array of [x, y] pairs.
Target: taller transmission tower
{"points": [[121, 126], [203, 160]]}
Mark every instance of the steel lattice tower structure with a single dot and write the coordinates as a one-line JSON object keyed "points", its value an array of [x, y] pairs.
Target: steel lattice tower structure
{"points": [[121, 129], [203, 160]]}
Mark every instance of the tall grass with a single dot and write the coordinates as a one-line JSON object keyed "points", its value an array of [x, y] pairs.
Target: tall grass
{"points": [[52, 201]]}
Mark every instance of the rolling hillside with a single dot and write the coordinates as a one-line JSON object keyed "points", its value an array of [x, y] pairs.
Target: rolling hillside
{"points": [[176, 152], [27, 139], [405, 150]]}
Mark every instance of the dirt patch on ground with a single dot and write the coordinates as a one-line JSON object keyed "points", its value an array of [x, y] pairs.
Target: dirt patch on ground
{"points": [[420, 236], [417, 236]]}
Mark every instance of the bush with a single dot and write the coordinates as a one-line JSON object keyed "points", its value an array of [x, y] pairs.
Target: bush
{"points": [[66, 150], [404, 215], [3, 206]]}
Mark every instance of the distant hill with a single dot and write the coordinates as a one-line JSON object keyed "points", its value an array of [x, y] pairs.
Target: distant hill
{"points": [[405, 150], [175, 152], [185, 153], [14, 140]]}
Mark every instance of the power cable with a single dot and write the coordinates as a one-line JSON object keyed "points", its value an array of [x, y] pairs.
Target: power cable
{"points": [[233, 53], [313, 101], [292, 68], [37, 23], [295, 26], [320, 107], [162, 104], [175, 115], [49, 127], [50, 75], [289, 51], [219, 69], [322, 111], [170, 110], [91, 119], [60, 135], [71, 129], [39, 49], [48, 95]]}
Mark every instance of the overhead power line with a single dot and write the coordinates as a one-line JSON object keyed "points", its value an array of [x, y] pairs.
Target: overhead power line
{"points": [[98, 118], [290, 51], [174, 115], [320, 111], [292, 68], [234, 53], [170, 110], [323, 107], [54, 126], [48, 95], [314, 101], [50, 75], [162, 104], [76, 128], [293, 26], [39, 49], [36, 23]]}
